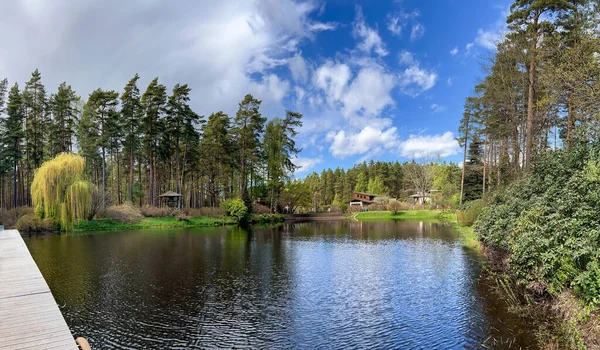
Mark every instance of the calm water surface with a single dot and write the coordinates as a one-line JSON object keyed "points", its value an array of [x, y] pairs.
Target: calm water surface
{"points": [[343, 284]]}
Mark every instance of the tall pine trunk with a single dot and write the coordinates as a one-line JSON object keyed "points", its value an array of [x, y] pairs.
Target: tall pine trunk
{"points": [[530, 98]]}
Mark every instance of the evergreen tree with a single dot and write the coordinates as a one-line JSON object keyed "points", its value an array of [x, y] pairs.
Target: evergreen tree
{"points": [[13, 135], [248, 127], [63, 106], [215, 148], [154, 102], [131, 114], [181, 126], [102, 106], [34, 108]]}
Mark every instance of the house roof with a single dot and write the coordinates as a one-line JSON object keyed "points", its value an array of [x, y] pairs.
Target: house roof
{"points": [[170, 194], [368, 194]]}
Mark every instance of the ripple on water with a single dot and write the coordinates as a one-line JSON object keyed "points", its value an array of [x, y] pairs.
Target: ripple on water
{"points": [[315, 285]]}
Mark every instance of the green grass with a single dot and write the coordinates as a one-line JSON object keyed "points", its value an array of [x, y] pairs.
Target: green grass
{"points": [[164, 222], [467, 234]]}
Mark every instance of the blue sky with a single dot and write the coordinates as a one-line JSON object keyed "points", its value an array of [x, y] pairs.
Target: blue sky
{"points": [[383, 80]]}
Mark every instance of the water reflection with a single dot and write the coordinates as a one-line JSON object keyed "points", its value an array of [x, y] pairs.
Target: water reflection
{"points": [[302, 285]]}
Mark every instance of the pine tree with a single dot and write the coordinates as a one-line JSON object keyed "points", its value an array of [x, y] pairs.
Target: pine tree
{"points": [[131, 114], [181, 127], [154, 102], [248, 127], [527, 16], [63, 106], [103, 117], [13, 136], [215, 148]]}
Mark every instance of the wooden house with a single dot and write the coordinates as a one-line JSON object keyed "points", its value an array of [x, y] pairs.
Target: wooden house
{"points": [[363, 199]]}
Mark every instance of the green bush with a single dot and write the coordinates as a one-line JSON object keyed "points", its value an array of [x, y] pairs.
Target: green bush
{"points": [[29, 223], [266, 218], [235, 208], [470, 212], [548, 223]]}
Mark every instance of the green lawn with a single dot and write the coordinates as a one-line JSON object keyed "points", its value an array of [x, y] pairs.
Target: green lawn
{"points": [[164, 222]]}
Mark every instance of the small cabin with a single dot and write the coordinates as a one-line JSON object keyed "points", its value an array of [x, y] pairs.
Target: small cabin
{"points": [[363, 199], [423, 198]]}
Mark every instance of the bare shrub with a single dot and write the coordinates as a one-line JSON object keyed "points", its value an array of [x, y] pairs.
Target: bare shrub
{"points": [[206, 211], [155, 212], [181, 216], [124, 213], [260, 209]]}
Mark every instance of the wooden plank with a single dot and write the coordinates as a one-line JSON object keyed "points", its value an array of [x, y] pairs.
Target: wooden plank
{"points": [[29, 316]]}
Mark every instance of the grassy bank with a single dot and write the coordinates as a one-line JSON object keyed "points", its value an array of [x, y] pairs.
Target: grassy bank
{"points": [[160, 222]]}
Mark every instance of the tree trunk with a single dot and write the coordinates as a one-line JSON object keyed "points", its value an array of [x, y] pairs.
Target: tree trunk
{"points": [[464, 165], [570, 122], [530, 100], [103, 178], [484, 160]]}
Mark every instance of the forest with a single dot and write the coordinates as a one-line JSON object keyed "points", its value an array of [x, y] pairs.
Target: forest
{"points": [[533, 120], [138, 145]]}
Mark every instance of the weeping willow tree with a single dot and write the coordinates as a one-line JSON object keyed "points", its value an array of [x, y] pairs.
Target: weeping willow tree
{"points": [[59, 191]]}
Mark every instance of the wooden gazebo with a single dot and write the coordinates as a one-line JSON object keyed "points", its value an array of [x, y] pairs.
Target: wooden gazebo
{"points": [[171, 198]]}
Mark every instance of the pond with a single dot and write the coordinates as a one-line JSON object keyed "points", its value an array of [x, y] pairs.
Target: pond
{"points": [[336, 284]]}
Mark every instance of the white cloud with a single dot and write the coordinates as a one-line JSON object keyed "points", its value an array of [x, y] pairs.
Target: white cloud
{"points": [[300, 93], [435, 108], [322, 26], [368, 94], [371, 41], [454, 51], [468, 48], [332, 78], [449, 82], [417, 31], [429, 146], [275, 87], [361, 97], [415, 80], [406, 58], [368, 140], [394, 25], [306, 164], [298, 68], [488, 39], [222, 50], [397, 21]]}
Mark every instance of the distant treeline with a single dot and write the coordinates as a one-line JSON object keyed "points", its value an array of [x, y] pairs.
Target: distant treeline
{"points": [[138, 145]]}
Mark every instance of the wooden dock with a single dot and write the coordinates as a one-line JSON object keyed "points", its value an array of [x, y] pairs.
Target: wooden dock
{"points": [[29, 316]]}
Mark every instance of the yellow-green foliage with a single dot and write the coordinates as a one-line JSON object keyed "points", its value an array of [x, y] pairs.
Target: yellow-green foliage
{"points": [[59, 192]]}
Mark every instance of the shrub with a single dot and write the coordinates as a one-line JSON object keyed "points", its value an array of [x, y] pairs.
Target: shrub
{"points": [[394, 206], [235, 208], [344, 207], [470, 212], [266, 218], [181, 216], [548, 223], [260, 209], [124, 213], [206, 211], [29, 223], [155, 212]]}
